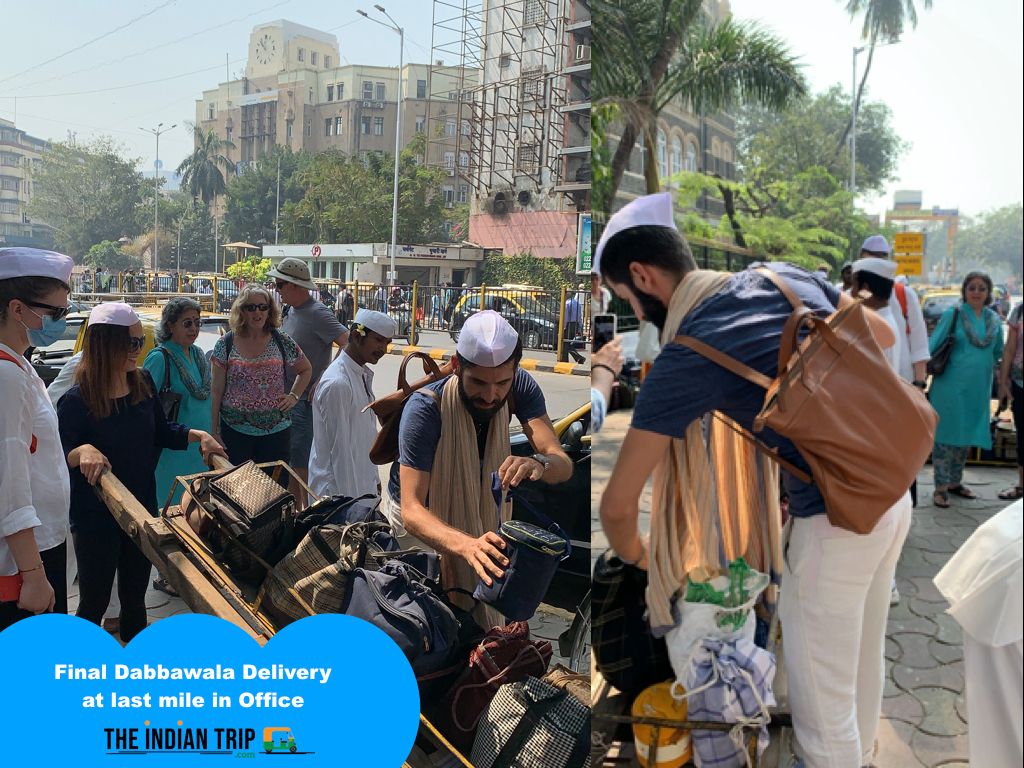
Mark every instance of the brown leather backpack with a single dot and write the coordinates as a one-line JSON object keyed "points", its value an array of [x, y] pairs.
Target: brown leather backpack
{"points": [[389, 408], [864, 431]]}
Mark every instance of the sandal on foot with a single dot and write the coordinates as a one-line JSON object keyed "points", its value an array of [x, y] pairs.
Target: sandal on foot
{"points": [[940, 499], [164, 586], [962, 491], [1010, 494]]}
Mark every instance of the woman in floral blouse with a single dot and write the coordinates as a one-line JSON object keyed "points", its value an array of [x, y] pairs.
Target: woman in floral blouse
{"points": [[250, 404]]}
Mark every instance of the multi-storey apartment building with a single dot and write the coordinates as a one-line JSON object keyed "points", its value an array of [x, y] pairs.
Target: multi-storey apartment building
{"points": [[20, 156]]}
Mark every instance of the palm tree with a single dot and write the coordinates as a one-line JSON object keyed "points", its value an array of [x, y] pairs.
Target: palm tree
{"points": [[884, 22], [201, 171], [651, 52]]}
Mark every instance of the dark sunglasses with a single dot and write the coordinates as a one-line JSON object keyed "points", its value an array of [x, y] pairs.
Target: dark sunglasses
{"points": [[58, 312], [198, 323], [280, 284], [255, 307], [136, 343]]}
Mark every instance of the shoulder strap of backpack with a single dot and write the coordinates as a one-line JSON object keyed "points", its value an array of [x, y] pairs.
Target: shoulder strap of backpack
{"points": [[901, 297], [229, 343]]}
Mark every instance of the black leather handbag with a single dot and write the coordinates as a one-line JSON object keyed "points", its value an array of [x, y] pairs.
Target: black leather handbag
{"points": [[940, 359], [169, 401]]}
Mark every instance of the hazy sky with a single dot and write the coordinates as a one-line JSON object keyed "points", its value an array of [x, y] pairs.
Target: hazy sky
{"points": [[50, 100], [954, 86]]}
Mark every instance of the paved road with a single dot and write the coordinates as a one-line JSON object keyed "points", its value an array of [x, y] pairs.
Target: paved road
{"points": [[924, 719]]}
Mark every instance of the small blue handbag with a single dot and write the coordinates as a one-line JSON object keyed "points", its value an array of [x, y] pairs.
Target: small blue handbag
{"points": [[533, 554]]}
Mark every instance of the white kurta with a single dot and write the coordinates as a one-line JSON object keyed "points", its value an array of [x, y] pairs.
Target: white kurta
{"points": [[35, 487], [913, 345], [339, 461], [983, 584]]}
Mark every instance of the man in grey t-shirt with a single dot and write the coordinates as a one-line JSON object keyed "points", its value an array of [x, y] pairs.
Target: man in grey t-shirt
{"points": [[315, 329]]}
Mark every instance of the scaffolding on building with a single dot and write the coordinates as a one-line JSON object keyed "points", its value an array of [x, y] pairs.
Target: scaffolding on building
{"points": [[516, 126]]}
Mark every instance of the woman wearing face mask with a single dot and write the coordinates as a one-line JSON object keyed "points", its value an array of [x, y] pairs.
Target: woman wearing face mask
{"points": [[111, 419], [961, 395], [34, 484]]}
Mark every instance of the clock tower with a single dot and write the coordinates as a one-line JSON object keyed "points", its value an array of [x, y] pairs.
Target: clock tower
{"points": [[266, 52]]}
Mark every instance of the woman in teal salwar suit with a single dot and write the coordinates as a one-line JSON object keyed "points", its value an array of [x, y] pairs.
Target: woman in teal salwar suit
{"points": [[962, 393]]}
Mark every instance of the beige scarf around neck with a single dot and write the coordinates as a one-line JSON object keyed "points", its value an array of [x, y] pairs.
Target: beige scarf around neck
{"points": [[460, 488], [689, 486]]}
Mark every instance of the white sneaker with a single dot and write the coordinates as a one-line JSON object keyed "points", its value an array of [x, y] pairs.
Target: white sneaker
{"points": [[894, 597]]}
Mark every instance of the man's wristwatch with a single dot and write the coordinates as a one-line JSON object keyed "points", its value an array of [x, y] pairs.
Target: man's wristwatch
{"points": [[544, 461]]}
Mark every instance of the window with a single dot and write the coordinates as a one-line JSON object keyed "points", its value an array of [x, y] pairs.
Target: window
{"points": [[367, 90], [380, 92], [341, 91], [453, 95], [313, 57], [330, 93], [677, 155], [338, 125], [691, 157], [302, 54], [329, 127], [449, 127], [529, 159], [464, 159], [8, 207], [289, 131], [364, 126], [378, 126], [449, 196], [662, 146], [421, 124], [8, 183], [534, 12], [327, 61], [421, 89], [463, 193], [504, 61], [210, 114], [229, 130], [449, 160], [464, 127]]}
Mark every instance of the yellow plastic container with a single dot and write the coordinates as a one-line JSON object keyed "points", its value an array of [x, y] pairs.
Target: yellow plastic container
{"points": [[674, 749]]}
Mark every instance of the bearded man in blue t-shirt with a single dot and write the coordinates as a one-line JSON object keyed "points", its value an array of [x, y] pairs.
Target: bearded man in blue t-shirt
{"points": [[835, 584]]}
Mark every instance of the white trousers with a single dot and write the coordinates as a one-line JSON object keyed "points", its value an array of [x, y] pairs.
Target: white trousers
{"points": [[833, 606]]}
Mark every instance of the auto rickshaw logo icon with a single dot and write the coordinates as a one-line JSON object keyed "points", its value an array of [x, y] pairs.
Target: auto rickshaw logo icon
{"points": [[277, 739]]}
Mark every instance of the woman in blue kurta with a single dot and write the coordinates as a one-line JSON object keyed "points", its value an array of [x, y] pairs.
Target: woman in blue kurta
{"points": [[190, 378], [962, 394]]}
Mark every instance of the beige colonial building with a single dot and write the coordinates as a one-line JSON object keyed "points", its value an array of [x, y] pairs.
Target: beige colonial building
{"points": [[20, 156], [295, 94]]}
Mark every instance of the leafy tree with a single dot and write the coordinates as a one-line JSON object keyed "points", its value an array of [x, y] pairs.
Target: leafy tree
{"points": [[251, 270], [197, 254], [994, 242], [109, 255], [252, 195], [346, 200], [526, 269], [651, 52], [201, 171], [88, 193], [773, 146], [884, 22]]}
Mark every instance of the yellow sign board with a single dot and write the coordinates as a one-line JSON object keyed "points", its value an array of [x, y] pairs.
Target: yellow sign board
{"points": [[910, 264], [909, 242]]}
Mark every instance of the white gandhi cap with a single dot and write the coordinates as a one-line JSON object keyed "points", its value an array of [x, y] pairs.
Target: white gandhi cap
{"points": [[649, 211], [876, 244], [113, 313], [881, 267], [34, 262], [487, 339], [377, 322]]}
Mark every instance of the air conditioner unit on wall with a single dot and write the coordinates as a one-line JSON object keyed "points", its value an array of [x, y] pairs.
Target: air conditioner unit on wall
{"points": [[582, 53]]}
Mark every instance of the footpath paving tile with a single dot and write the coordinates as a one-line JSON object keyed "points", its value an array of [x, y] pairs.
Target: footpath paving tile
{"points": [[892, 649], [938, 559], [945, 654], [890, 689], [912, 678], [926, 590], [156, 599], [940, 716], [904, 707], [939, 750], [949, 631], [915, 651], [894, 745], [961, 707], [913, 623], [914, 563], [926, 608]]}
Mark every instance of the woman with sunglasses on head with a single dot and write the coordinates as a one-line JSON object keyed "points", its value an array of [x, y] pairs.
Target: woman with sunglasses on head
{"points": [[179, 363], [112, 419], [34, 482], [250, 404]]}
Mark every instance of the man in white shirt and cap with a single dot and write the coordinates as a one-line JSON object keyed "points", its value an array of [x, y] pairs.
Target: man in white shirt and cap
{"points": [[912, 334], [453, 435], [343, 432]]}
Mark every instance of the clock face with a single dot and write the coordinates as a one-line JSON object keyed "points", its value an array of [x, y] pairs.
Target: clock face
{"points": [[265, 49]]}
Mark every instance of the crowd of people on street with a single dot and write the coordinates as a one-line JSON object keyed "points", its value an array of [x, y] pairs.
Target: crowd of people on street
{"points": [[836, 585]]}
